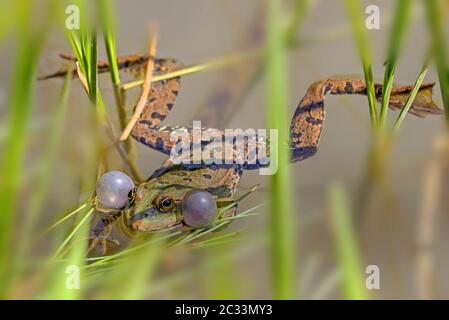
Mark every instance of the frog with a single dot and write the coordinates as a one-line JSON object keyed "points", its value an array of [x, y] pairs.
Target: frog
{"points": [[157, 203]]}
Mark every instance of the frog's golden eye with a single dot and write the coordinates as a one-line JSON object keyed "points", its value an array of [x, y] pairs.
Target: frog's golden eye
{"points": [[165, 203]]}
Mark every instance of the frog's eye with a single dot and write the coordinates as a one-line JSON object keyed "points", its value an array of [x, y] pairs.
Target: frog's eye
{"points": [[165, 203], [199, 208], [113, 189]]}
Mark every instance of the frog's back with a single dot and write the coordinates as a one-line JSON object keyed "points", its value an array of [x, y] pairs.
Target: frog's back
{"points": [[221, 182]]}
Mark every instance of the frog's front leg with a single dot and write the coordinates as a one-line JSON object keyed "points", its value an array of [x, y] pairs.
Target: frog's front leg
{"points": [[101, 233]]}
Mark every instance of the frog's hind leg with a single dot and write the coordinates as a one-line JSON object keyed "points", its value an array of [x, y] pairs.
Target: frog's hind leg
{"points": [[160, 102], [133, 63], [308, 120]]}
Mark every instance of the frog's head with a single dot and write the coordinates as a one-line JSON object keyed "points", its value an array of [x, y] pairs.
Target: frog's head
{"points": [[168, 201], [155, 207]]}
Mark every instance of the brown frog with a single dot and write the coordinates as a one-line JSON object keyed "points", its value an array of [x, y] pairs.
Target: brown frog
{"points": [[158, 204]]}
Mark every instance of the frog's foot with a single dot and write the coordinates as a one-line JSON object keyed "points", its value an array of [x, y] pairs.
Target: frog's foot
{"points": [[100, 235]]}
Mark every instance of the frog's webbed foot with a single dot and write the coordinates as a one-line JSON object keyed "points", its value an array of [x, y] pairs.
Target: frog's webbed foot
{"points": [[101, 234], [102, 240]]}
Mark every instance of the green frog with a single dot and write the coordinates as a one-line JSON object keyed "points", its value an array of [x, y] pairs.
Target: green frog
{"points": [[160, 198], [158, 203]]}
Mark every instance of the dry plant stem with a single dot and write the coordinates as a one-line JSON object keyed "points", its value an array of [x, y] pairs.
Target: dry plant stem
{"points": [[376, 192], [209, 65], [129, 146], [427, 218], [117, 144], [145, 88], [82, 78], [118, 93], [124, 155], [83, 81]]}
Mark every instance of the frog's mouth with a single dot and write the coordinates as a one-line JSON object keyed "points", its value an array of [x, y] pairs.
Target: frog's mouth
{"points": [[152, 220]]}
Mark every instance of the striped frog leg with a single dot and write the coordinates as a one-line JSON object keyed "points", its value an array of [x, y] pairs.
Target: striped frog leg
{"points": [[129, 62], [305, 130], [307, 123], [160, 102]]}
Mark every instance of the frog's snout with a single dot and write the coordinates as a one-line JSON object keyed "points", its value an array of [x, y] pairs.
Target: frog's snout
{"points": [[136, 220]]}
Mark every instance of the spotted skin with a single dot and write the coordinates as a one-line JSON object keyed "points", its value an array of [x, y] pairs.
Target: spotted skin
{"points": [[160, 102], [221, 179], [144, 214], [133, 63], [305, 130], [308, 120]]}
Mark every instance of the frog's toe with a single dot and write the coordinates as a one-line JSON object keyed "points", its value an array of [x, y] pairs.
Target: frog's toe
{"points": [[100, 246], [104, 247], [92, 246]]}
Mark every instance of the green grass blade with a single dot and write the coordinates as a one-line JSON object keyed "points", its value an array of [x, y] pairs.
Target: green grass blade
{"points": [[73, 232], [283, 252], [58, 272], [99, 261], [8, 18], [138, 269], [189, 275], [218, 240], [107, 15], [411, 98], [92, 64], [346, 245], [436, 27], [37, 198], [355, 12], [68, 216], [107, 18], [85, 47], [222, 282], [23, 86], [300, 10], [400, 23]]}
